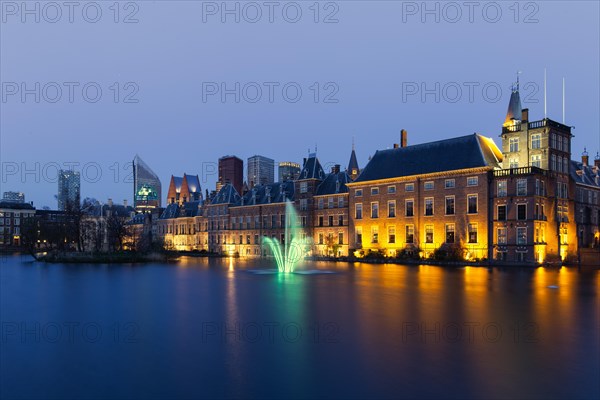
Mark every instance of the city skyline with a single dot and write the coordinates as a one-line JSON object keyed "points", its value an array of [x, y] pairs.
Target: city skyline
{"points": [[373, 72]]}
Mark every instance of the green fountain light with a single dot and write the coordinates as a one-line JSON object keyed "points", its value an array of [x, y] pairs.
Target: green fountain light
{"points": [[292, 251]]}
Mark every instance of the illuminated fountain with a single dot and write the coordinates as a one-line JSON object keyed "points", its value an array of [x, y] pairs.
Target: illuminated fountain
{"points": [[288, 255]]}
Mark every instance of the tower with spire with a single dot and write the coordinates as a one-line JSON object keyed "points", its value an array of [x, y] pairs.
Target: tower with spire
{"points": [[353, 169]]}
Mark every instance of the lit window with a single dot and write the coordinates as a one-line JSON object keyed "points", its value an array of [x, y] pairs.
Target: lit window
{"points": [[536, 141], [501, 235], [521, 236], [536, 160], [392, 209], [374, 209], [472, 233], [374, 234], [428, 233], [449, 233], [410, 233], [429, 206], [359, 235], [358, 214], [391, 234], [513, 145]]}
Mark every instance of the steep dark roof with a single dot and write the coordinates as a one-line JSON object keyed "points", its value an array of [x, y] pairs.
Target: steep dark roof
{"points": [[589, 175], [227, 195], [334, 183], [470, 151], [353, 163], [171, 211], [514, 106], [191, 208], [312, 169], [178, 180], [193, 183], [259, 194], [16, 206]]}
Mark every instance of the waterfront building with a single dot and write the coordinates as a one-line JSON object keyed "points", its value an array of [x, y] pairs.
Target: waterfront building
{"points": [[416, 200], [147, 188], [261, 171], [231, 170], [69, 190], [288, 171], [12, 217], [15, 197]]}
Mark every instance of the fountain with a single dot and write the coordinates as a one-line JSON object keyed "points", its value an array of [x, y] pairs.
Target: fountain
{"points": [[293, 246]]}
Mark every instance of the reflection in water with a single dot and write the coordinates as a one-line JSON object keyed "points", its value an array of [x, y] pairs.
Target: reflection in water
{"points": [[366, 331]]}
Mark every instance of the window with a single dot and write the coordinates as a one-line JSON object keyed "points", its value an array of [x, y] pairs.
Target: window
{"points": [[449, 233], [330, 203], [247, 239], [330, 220], [359, 235], [514, 163], [521, 187], [521, 236], [428, 233], [391, 234], [501, 235], [410, 208], [536, 141], [565, 165], [501, 213], [256, 239], [410, 233], [449, 183], [513, 144], [391, 189], [358, 193], [502, 189], [374, 234], [521, 212], [449, 205], [565, 145], [340, 202], [303, 204], [303, 187], [563, 234], [553, 162], [374, 191], [409, 187], [472, 181], [429, 185], [472, 233], [340, 237], [321, 204], [358, 214], [320, 220], [341, 220], [282, 220], [472, 204], [536, 160], [374, 209], [320, 238], [391, 209], [429, 206]]}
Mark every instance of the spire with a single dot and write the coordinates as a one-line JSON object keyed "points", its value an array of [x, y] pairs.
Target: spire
{"points": [[513, 114], [353, 169]]}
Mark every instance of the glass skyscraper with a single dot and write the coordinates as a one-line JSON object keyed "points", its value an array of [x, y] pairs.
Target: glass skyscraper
{"points": [[147, 189], [69, 189]]}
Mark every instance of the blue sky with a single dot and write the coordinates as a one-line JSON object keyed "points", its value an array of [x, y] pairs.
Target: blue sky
{"points": [[355, 66]]}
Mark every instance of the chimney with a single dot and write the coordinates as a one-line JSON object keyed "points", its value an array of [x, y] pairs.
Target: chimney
{"points": [[125, 202], [525, 114], [396, 145], [585, 158], [335, 169], [110, 203], [403, 138], [597, 160]]}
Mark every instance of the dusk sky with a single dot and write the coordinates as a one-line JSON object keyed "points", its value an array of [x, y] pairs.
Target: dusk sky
{"points": [[367, 58]]}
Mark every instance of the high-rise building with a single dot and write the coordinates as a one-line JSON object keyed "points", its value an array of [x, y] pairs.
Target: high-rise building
{"points": [[13, 197], [69, 189], [231, 170], [147, 189], [261, 171], [288, 171]]}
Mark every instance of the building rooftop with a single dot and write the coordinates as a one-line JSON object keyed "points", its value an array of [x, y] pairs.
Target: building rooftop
{"points": [[458, 153]]}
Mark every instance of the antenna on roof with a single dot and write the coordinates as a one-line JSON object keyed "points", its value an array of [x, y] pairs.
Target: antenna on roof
{"points": [[352, 142], [563, 102], [545, 102], [518, 73]]}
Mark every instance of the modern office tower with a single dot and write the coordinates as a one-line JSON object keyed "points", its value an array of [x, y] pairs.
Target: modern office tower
{"points": [[147, 189], [13, 197], [288, 171], [261, 171], [69, 189], [231, 170]]}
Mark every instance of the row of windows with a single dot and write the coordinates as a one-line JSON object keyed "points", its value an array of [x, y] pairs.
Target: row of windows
{"points": [[330, 238], [330, 220], [502, 212], [331, 202], [540, 188], [556, 142], [428, 210], [428, 185], [410, 235]]}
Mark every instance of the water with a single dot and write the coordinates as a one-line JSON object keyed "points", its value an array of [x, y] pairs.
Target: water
{"points": [[216, 328]]}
